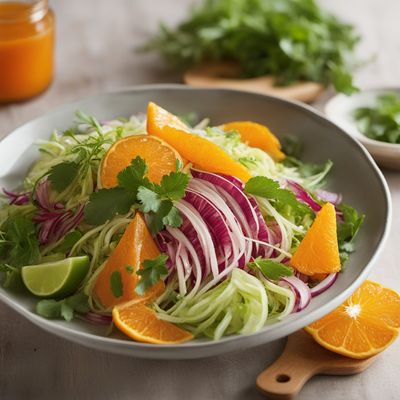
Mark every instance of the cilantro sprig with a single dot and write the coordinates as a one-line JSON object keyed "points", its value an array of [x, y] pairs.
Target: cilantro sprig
{"points": [[284, 200], [134, 189], [151, 273], [271, 269]]}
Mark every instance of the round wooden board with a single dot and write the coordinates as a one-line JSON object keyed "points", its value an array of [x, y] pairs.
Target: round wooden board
{"points": [[222, 75]]}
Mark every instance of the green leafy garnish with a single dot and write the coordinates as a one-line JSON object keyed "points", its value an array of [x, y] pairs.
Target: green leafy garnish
{"points": [[106, 204], [129, 269], [135, 190], [347, 230], [68, 242], [269, 189], [63, 174], [116, 284], [151, 273], [64, 308], [19, 246], [290, 39], [271, 269], [382, 121]]}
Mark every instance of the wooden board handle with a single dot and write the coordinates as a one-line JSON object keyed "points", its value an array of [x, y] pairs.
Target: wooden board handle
{"points": [[302, 359], [286, 377]]}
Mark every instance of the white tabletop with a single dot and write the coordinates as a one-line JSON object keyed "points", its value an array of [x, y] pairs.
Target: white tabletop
{"points": [[95, 52]]}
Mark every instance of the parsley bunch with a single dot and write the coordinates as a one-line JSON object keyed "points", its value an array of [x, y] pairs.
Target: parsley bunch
{"points": [[289, 39], [135, 190]]}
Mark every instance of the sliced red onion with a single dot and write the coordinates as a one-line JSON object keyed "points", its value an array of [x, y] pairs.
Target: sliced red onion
{"points": [[300, 290], [17, 199], [53, 220], [324, 284], [302, 195], [237, 194], [216, 224], [331, 197]]}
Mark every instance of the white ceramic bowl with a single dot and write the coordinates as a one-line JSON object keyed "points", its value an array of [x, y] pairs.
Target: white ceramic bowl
{"points": [[340, 109], [322, 140]]}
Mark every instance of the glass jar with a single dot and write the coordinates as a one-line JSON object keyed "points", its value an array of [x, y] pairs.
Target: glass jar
{"points": [[26, 48]]}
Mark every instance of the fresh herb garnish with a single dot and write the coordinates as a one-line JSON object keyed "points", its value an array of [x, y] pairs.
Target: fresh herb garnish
{"points": [[116, 284], [151, 273], [271, 269], [63, 174], [347, 230], [70, 239], [135, 190], [382, 121], [264, 37], [19, 246], [63, 308]]}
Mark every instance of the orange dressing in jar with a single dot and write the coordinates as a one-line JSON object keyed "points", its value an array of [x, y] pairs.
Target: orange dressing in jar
{"points": [[26, 49]]}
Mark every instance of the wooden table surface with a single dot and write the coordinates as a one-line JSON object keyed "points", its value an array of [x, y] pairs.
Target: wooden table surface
{"points": [[95, 52]]}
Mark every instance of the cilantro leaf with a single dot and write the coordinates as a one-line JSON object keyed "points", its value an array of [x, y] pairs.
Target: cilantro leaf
{"points": [[133, 176], [151, 273], [129, 269], [150, 200], [271, 269], [68, 242], [347, 230], [106, 203], [64, 308], [173, 186], [173, 218], [19, 246], [63, 174], [269, 189], [116, 284]]}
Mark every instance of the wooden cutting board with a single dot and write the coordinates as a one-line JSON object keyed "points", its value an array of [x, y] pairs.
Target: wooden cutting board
{"points": [[301, 360], [224, 75]]}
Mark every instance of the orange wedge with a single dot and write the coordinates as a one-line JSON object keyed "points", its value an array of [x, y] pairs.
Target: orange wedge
{"points": [[201, 152], [257, 135], [135, 246], [159, 156], [141, 324], [318, 252], [364, 325]]}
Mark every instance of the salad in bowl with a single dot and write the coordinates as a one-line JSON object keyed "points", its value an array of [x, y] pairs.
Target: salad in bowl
{"points": [[173, 230]]}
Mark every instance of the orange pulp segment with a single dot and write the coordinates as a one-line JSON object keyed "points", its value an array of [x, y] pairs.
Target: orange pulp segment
{"points": [[318, 252], [257, 135], [141, 324], [364, 325], [159, 156], [135, 246], [201, 152]]}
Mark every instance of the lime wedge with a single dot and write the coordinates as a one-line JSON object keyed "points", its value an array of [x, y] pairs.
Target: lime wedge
{"points": [[55, 279]]}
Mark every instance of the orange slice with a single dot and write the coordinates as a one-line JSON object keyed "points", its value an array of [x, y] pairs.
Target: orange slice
{"points": [[135, 246], [257, 135], [141, 324], [318, 252], [159, 156], [364, 325], [201, 152]]}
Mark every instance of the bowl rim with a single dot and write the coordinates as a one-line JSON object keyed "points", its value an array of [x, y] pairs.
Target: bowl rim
{"points": [[228, 343], [355, 132]]}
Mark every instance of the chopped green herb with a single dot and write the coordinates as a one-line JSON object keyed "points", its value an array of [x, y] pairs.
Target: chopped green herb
{"points": [[382, 121], [271, 269], [151, 273], [64, 308], [264, 37], [68, 242], [116, 284], [129, 269]]}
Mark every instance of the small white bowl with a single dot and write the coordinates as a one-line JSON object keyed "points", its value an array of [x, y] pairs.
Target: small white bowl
{"points": [[340, 110]]}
